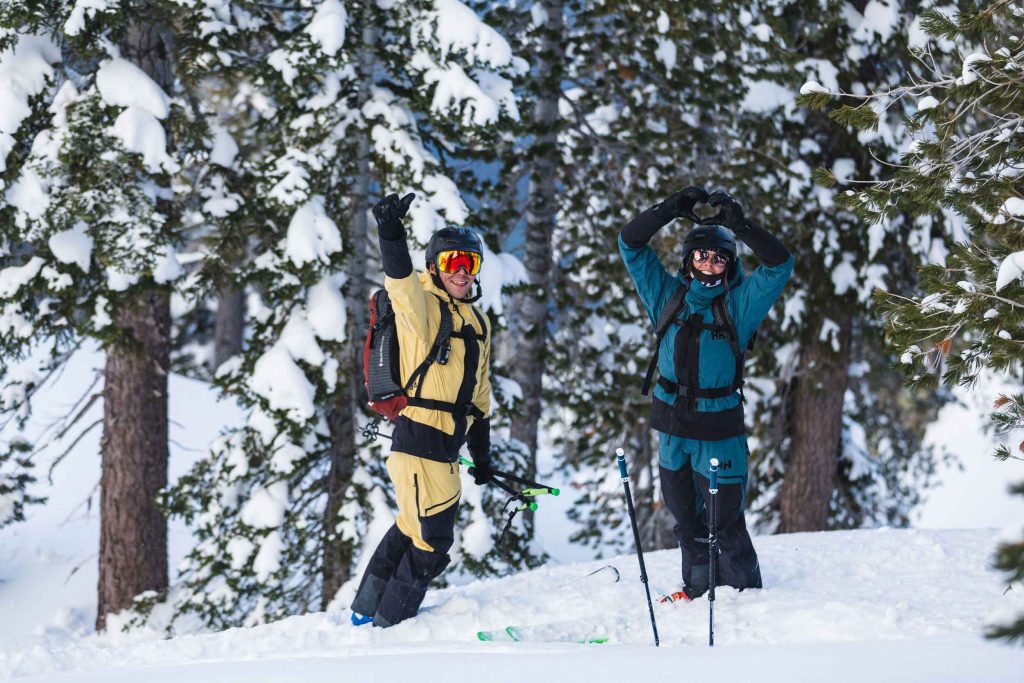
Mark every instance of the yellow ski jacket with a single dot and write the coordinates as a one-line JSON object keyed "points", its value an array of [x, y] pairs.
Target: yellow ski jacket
{"points": [[463, 380]]}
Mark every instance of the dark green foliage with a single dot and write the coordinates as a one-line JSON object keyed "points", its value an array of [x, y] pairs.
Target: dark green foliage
{"points": [[15, 479], [965, 162]]}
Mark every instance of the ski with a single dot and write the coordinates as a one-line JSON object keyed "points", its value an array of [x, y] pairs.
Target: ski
{"points": [[564, 632], [558, 632]]}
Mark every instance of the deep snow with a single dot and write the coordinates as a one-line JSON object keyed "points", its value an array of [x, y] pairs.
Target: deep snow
{"points": [[882, 604]]}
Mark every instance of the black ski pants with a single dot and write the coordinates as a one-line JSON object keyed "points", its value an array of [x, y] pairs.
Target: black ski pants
{"points": [[414, 551], [687, 495]]}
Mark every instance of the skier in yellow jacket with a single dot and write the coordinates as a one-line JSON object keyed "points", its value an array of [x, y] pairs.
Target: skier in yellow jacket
{"points": [[451, 407]]}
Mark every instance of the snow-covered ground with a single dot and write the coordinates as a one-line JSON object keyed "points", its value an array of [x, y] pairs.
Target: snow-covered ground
{"points": [[906, 605], [887, 605]]}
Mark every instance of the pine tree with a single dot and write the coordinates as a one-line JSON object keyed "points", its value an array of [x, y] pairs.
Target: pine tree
{"points": [[630, 130], [964, 160], [827, 452], [91, 223], [346, 101]]}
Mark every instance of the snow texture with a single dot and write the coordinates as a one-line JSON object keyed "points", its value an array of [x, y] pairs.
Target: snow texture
{"points": [[846, 605], [24, 73], [1011, 269], [880, 19], [14, 278], [224, 150], [122, 84], [312, 235], [328, 26], [73, 246], [282, 383], [764, 96], [457, 28], [86, 9]]}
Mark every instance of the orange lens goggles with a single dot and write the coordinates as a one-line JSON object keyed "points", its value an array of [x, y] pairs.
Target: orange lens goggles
{"points": [[452, 261]]}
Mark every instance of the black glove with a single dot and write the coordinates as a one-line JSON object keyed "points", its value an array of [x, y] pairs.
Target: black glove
{"points": [[730, 213], [481, 470], [389, 213], [680, 204]]}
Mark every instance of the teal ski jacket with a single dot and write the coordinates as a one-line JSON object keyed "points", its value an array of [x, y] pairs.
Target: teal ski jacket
{"points": [[709, 427]]}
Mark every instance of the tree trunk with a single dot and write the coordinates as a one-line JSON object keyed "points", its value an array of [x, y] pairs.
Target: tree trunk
{"points": [[133, 530], [337, 567], [229, 324], [817, 424], [530, 309]]}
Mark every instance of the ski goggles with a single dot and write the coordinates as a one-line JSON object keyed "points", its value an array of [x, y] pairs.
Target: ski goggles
{"points": [[711, 256], [452, 261]]}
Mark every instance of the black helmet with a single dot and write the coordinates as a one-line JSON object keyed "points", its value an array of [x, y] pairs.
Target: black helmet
{"points": [[448, 239], [710, 236]]}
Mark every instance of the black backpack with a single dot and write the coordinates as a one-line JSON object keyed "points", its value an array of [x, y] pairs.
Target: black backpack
{"points": [[385, 392], [723, 324]]}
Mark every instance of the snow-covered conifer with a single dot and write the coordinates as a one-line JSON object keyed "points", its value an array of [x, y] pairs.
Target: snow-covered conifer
{"points": [[344, 101], [833, 447], [963, 165], [93, 137]]}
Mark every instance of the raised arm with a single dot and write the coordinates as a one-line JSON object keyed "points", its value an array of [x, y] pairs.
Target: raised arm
{"points": [[653, 282], [759, 291], [407, 296]]}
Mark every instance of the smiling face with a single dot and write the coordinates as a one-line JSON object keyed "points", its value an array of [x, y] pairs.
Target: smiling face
{"points": [[709, 261], [458, 284]]}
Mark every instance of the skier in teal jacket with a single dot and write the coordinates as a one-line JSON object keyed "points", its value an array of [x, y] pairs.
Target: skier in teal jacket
{"points": [[706, 313]]}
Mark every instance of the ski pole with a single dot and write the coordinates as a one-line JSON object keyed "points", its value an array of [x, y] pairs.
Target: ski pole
{"points": [[712, 549], [534, 489], [620, 456]]}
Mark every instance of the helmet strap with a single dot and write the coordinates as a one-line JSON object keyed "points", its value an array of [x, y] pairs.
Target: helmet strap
{"points": [[474, 299], [468, 300]]}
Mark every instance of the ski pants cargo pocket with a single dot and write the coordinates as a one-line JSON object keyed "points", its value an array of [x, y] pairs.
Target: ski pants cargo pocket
{"points": [[428, 494]]}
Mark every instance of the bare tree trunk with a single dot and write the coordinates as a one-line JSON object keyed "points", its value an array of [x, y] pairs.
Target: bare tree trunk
{"points": [[531, 307], [817, 423], [337, 567], [133, 530], [229, 324]]}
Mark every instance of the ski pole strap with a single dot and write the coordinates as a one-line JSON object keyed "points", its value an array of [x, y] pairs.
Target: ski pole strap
{"points": [[372, 431]]}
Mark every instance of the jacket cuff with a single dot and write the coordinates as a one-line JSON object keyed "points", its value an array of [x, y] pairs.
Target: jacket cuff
{"points": [[478, 440], [394, 255], [766, 247]]}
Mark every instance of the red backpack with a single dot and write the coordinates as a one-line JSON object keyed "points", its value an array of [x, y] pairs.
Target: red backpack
{"points": [[381, 371]]}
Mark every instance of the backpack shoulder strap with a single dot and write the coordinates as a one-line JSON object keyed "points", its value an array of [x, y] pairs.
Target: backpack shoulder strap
{"points": [[668, 315], [439, 350], [724, 322]]}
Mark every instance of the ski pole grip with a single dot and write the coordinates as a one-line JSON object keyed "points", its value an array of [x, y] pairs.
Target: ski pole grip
{"points": [[620, 456], [714, 473], [466, 461]]}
